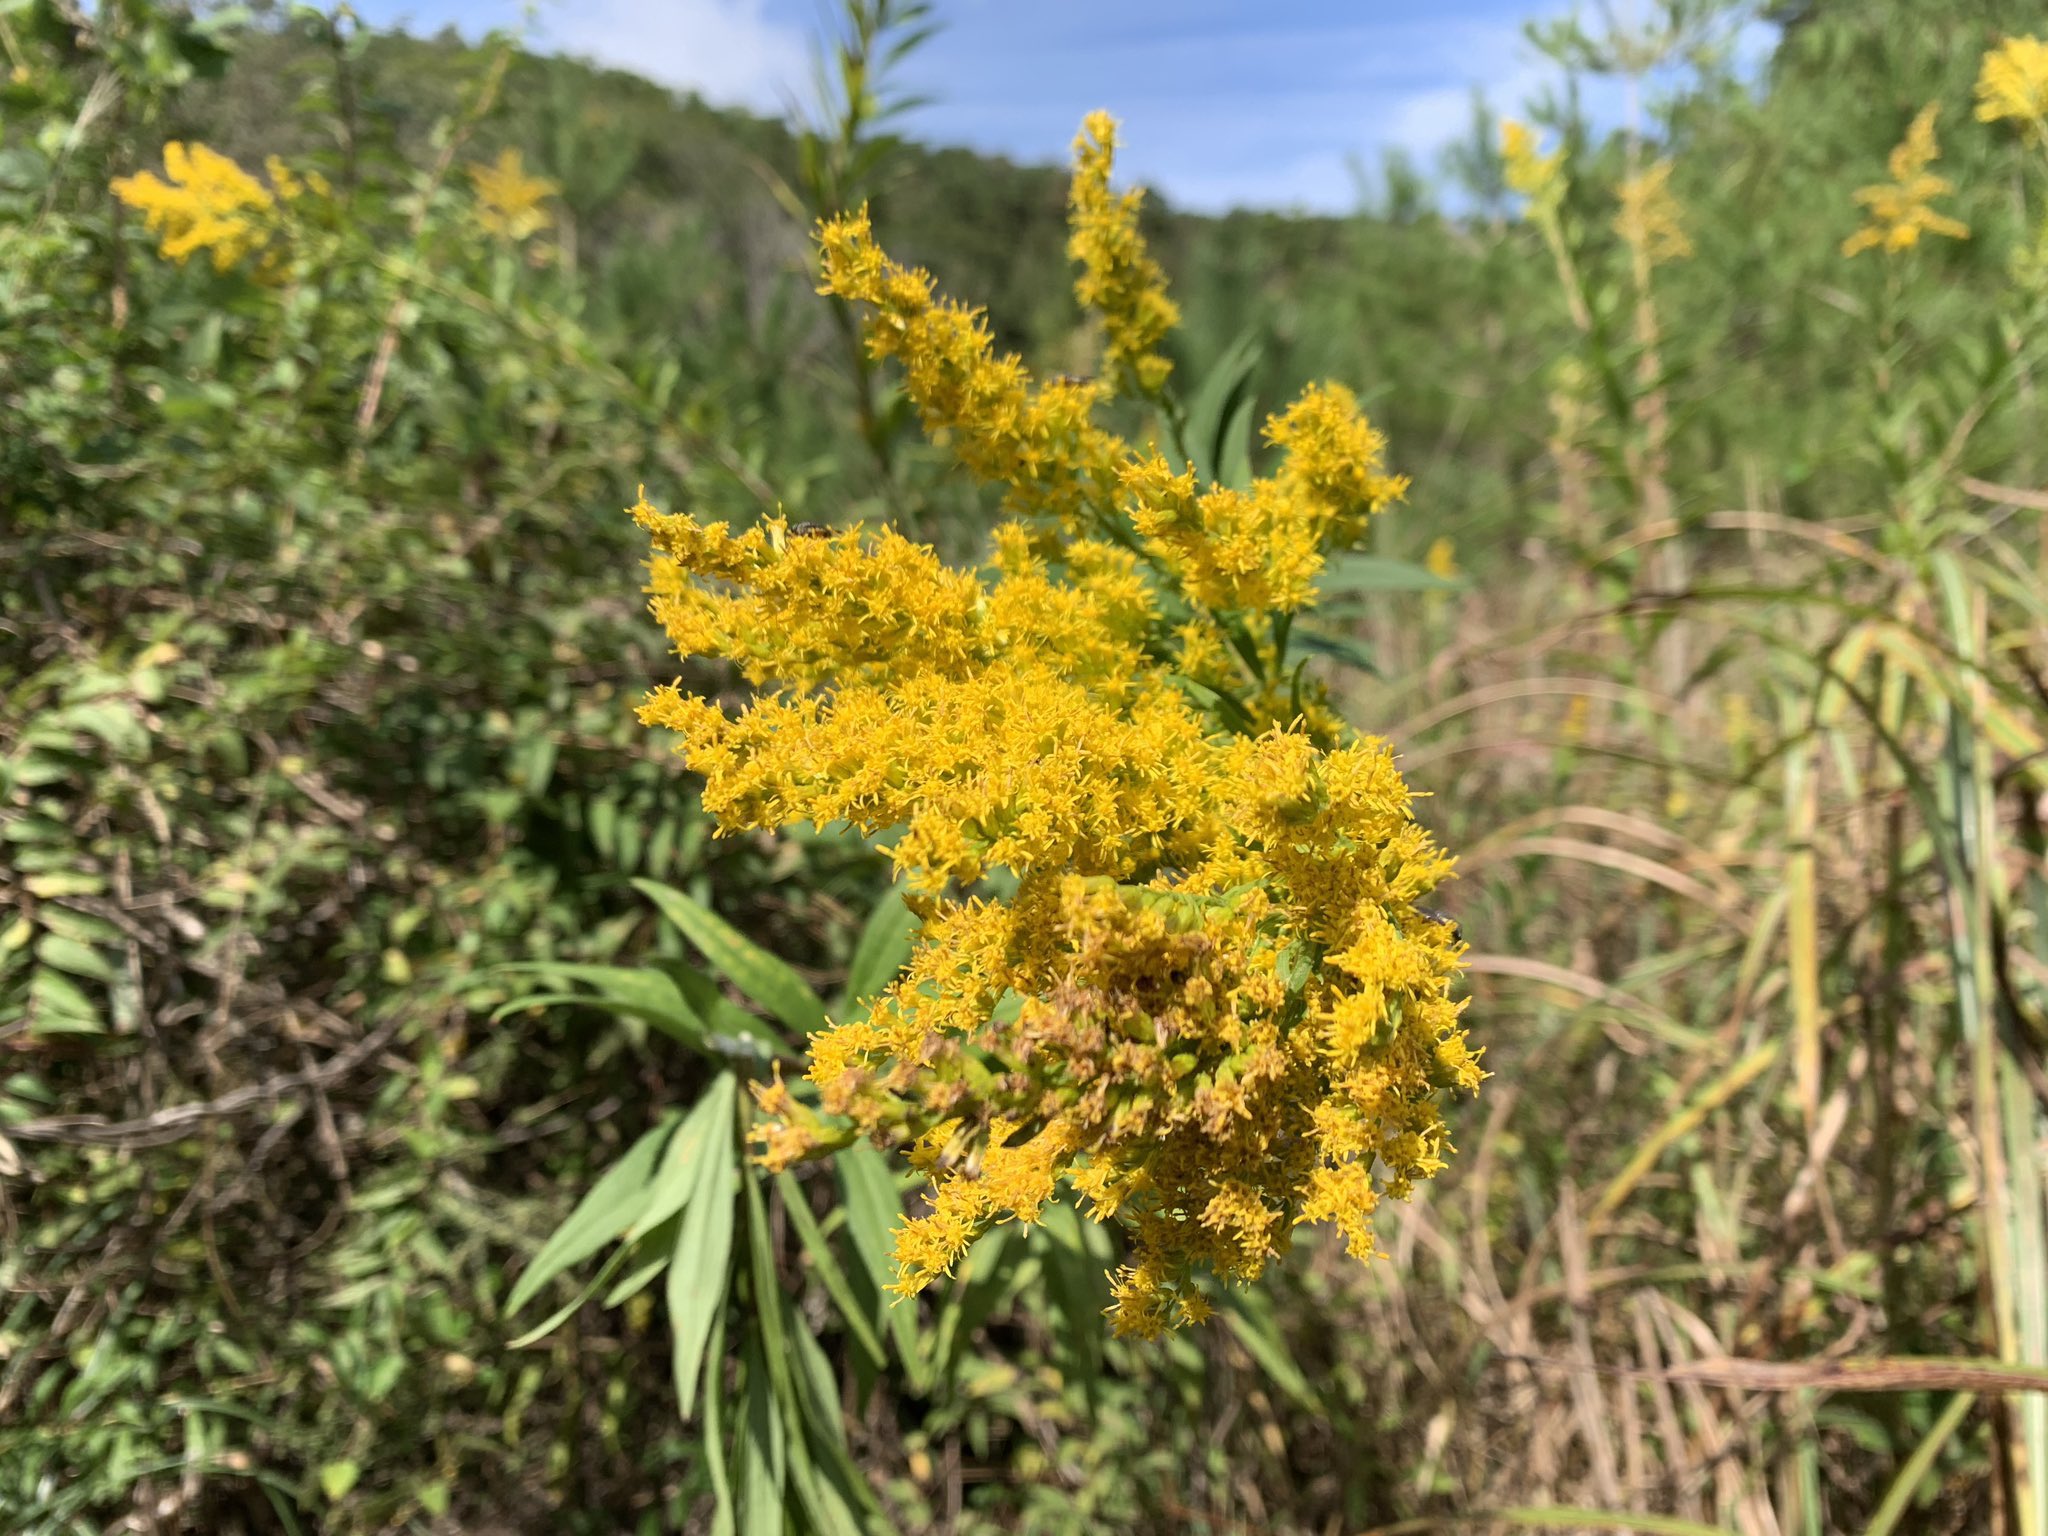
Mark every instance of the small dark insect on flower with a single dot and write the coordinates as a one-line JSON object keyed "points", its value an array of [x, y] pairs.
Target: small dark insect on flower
{"points": [[1457, 933], [810, 530], [1071, 380]]}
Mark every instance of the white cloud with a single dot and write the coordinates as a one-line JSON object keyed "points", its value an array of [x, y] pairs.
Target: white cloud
{"points": [[727, 51]]}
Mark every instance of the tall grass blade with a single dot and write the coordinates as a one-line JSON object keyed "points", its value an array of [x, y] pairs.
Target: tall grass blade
{"points": [[1899, 1497]]}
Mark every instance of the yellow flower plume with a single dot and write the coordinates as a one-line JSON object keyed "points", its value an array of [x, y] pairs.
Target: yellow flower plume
{"points": [[1119, 279], [1899, 209], [1263, 548], [1649, 218], [209, 203], [1210, 1005], [1040, 442], [2013, 84], [508, 200]]}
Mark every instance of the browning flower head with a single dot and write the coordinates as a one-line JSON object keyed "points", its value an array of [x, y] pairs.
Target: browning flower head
{"points": [[2013, 85], [1211, 1007], [1119, 280], [508, 201], [1899, 209], [211, 204], [1650, 218], [1538, 177]]}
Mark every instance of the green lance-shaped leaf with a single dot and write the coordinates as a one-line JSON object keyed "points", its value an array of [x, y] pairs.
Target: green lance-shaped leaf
{"points": [[722, 1522], [826, 1262], [1354, 575], [1218, 418], [759, 1453], [706, 1133], [614, 1203], [1339, 647], [873, 1210], [700, 1271], [733, 1030], [883, 948], [639, 993], [760, 975], [1251, 1319]]}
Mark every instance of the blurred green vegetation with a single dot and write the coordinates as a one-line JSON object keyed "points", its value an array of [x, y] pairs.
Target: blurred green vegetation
{"points": [[319, 638]]}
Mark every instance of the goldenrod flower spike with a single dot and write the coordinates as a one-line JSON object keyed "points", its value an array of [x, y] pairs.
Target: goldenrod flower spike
{"points": [[1899, 209], [1262, 549], [209, 204], [1650, 218], [508, 201], [1226, 1015], [1538, 177], [1212, 1008], [1041, 442], [2013, 85], [1119, 280]]}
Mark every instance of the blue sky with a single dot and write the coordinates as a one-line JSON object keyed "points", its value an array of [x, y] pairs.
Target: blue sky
{"points": [[1225, 103]]}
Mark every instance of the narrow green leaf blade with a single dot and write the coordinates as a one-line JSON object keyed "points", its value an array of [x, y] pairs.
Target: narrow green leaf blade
{"points": [[759, 1460], [1348, 649], [819, 1247], [701, 1269], [873, 1210], [641, 994], [706, 1131], [612, 1205], [884, 946], [1251, 1319], [763, 977], [1357, 575]]}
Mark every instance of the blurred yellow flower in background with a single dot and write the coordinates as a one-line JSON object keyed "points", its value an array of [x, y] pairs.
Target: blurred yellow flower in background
{"points": [[508, 200], [1899, 209], [2013, 84], [209, 203], [1538, 177], [1649, 219]]}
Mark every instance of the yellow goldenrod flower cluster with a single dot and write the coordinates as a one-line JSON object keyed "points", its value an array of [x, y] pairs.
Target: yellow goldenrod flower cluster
{"points": [[211, 204], [1040, 442], [508, 201], [1538, 177], [1649, 218], [1119, 280], [1899, 210], [2013, 84], [1263, 548], [1175, 967]]}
